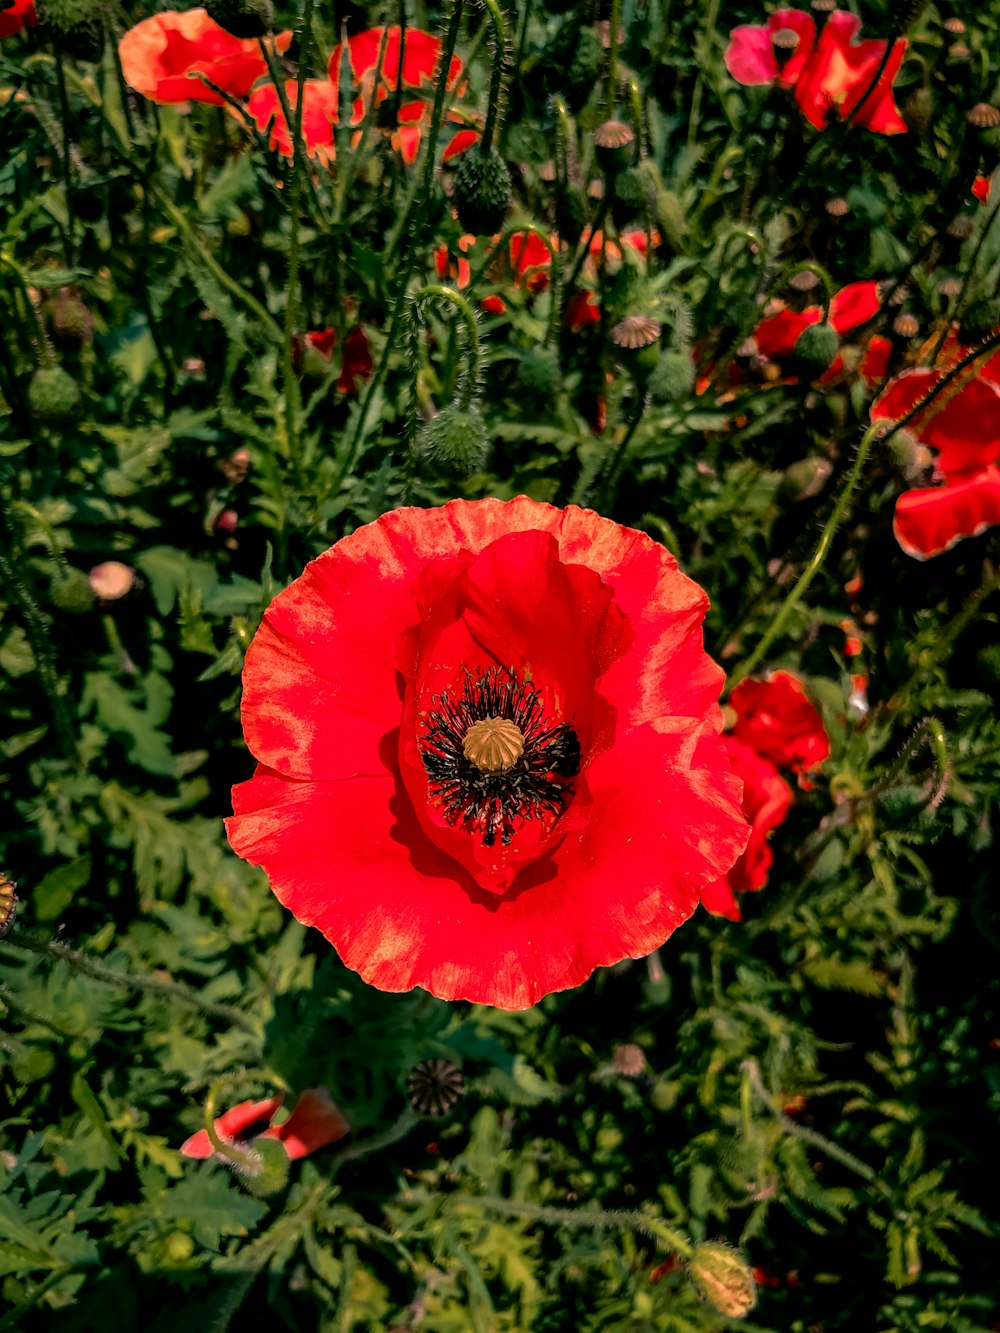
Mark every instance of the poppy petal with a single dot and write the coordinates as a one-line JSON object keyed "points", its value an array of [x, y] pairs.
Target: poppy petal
{"points": [[315, 1122], [931, 520], [233, 1124]]}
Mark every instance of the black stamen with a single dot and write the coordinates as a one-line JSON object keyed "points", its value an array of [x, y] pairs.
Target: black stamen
{"points": [[489, 803]]}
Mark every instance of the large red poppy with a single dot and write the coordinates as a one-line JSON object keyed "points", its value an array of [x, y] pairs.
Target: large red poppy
{"points": [[488, 749], [834, 75], [20, 14], [319, 116], [164, 56], [962, 424]]}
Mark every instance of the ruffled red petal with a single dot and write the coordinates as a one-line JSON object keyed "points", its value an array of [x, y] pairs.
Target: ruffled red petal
{"points": [[837, 81], [20, 14], [962, 423], [750, 56], [779, 721], [316, 1121], [232, 1124], [931, 520]]}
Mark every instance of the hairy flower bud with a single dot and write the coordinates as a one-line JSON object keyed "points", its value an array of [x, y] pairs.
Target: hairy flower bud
{"points": [[242, 18], [979, 320], [70, 590], [815, 348], [538, 372], [265, 1170], [481, 191], [52, 394], [673, 378], [724, 1279], [456, 439]]}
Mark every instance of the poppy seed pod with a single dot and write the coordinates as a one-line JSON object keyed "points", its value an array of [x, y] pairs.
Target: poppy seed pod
{"points": [[815, 348], [70, 590], [242, 18], [613, 146], [481, 191], [265, 1169], [52, 394], [456, 439]]}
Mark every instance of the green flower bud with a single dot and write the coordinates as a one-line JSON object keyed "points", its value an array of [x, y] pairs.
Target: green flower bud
{"points": [[456, 439], [723, 1279], [670, 215], [52, 394], [901, 803], [70, 590], [481, 191], [539, 372], [804, 479], [815, 349], [266, 1170], [242, 18], [633, 191], [673, 378]]}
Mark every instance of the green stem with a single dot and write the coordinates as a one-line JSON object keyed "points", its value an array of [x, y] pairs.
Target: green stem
{"points": [[348, 158], [67, 181], [174, 990], [496, 78], [704, 37], [956, 312], [243, 1158], [436, 291], [606, 494], [616, 18], [814, 565], [375, 1143]]}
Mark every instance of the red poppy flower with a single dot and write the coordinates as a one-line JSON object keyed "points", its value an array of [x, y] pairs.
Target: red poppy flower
{"points": [[832, 76], [162, 57], [981, 187], [319, 116], [874, 364], [488, 750], [582, 309], [777, 718], [17, 15], [752, 57], [421, 52], [315, 1122], [778, 332], [838, 79], [356, 364], [767, 799]]}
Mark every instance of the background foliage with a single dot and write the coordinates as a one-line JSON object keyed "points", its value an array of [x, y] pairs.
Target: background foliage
{"points": [[821, 1081]]}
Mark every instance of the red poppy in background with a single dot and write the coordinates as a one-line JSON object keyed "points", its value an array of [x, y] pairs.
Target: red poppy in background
{"points": [[319, 116], [833, 75], [778, 332], [981, 187], [356, 362], [20, 14], [163, 56], [421, 53], [315, 1122], [488, 749], [778, 719], [962, 424]]}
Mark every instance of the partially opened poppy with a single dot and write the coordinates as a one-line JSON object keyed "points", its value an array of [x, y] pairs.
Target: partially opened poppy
{"points": [[767, 799], [962, 424], [166, 56], [488, 750], [15, 16], [315, 1122]]}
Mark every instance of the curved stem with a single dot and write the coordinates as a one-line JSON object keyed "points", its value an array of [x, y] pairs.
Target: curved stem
{"points": [[436, 291], [814, 565], [243, 1158]]}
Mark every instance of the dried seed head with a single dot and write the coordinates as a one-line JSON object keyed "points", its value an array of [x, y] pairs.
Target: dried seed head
{"points": [[494, 745], [955, 26], [804, 281], [635, 331], [899, 295], [824, 6], [547, 172], [613, 134], [950, 287], [983, 116], [837, 208], [785, 40], [906, 325], [628, 1060], [960, 227], [434, 1086], [959, 52]]}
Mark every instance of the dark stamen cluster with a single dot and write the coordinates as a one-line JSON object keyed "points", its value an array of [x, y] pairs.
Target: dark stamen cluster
{"points": [[489, 803]]}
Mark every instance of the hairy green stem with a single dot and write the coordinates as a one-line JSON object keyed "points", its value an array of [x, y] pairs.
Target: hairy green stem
{"points": [[87, 967], [436, 291], [815, 564], [956, 312], [496, 77], [243, 1158], [614, 25]]}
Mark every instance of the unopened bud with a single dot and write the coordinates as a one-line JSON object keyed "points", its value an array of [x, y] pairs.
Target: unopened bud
{"points": [[815, 349], [724, 1279], [111, 580], [481, 191], [806, 478], [70, 590], [52, 394], [673, 377], [538, 372], [263, 1168], [456, 438]]}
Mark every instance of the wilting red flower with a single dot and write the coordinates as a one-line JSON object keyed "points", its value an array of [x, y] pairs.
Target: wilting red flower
{"points": [[833, 75], [315, 1122], [963, 425], [777, 717], [767, 799], [20, 14], [421, 52], [319, 116], [163, 56], [488, 749]]}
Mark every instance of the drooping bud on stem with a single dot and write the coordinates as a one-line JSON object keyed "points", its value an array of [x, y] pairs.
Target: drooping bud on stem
{"points": [[724, 1279]]}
